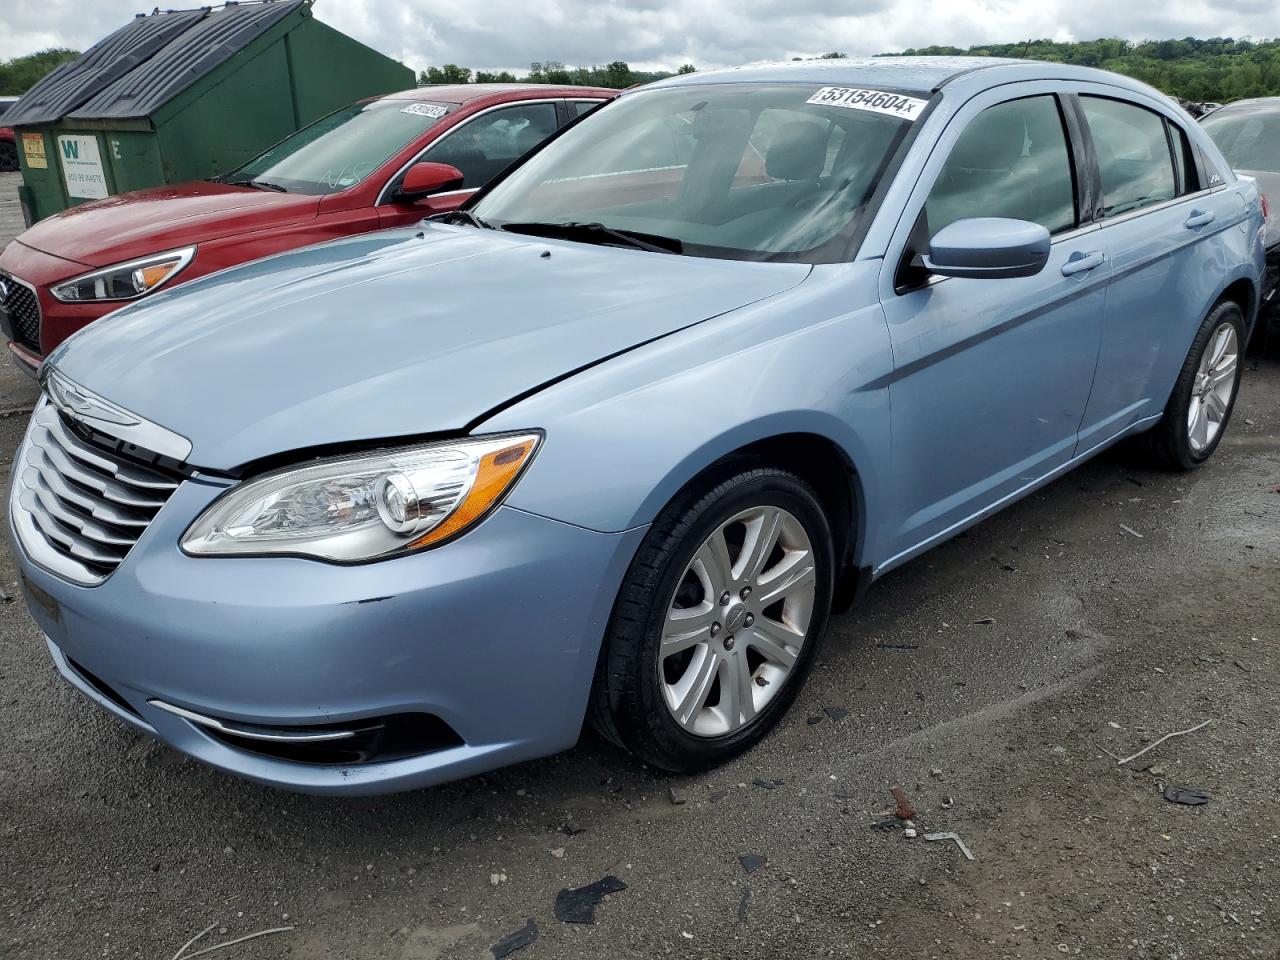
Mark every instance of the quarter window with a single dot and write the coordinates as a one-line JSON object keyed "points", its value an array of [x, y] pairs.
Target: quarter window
{"points": [[1011, 161], [1134, 158], [487, 145]]}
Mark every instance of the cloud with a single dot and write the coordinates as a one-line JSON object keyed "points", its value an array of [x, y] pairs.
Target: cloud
{"points": [[653, 34]]}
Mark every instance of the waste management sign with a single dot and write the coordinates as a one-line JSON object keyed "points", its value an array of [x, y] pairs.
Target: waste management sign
{"points": [[82, 167]]}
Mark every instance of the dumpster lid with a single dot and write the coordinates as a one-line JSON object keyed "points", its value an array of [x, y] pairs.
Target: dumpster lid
{"points": [[147, 62]]}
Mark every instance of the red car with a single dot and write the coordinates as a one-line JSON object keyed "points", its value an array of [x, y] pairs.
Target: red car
{"points": [[383, 162], [8, 139]]}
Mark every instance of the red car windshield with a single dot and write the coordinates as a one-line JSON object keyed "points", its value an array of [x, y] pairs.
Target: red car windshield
{"points": [[340, 150]]}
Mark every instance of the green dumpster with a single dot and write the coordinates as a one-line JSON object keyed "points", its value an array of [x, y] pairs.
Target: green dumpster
{"points": [[185, 95]]}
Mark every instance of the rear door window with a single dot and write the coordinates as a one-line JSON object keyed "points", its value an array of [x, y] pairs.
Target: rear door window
{"points": [[484, 147], [1134, 158], [1012, 160]]}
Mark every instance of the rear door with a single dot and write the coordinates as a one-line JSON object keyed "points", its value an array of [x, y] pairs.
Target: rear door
{"points": [[1158, 215], [481, 147], [992, 376]]}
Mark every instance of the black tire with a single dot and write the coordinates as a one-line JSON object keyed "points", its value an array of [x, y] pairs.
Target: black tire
{"points": [[1169, 442], [627, 705], [8, 157]]}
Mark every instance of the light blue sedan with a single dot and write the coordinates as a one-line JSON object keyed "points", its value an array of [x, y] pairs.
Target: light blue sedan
{"points": [[613, 443]]}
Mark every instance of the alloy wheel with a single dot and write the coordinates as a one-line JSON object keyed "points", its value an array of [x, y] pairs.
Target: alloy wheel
{"points": [[1213, 388], [736, 622]]}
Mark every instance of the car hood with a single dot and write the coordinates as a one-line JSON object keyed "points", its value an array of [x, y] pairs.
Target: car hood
{"points": [[1269, 184], [390, 335], [136, 224]]}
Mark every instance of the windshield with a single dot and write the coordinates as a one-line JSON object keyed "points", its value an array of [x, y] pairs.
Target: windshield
{"points": [[340, 150], [743, 171], [1249, 139]]}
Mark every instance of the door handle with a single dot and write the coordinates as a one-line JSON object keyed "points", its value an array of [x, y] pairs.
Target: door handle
{"points": [[1198, 218], [1080, 262]]}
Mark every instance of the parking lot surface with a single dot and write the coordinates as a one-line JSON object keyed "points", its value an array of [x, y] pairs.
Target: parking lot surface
{"points": [[990, 679]]}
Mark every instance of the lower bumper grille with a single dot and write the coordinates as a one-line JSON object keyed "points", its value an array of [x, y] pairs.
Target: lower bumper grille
{"points": [[371, 740], [23, 307]]}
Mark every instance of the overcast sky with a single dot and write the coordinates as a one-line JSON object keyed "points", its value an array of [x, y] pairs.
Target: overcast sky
{"points": [[654, 34]]}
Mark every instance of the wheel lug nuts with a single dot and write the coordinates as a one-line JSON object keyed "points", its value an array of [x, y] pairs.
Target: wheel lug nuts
{"points": [[715, 628], [749, 621], [746, 592], [728, 642], [724, 599]]}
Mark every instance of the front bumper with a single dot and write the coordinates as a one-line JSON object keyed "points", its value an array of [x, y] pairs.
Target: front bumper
{"points": [[496, 634]]}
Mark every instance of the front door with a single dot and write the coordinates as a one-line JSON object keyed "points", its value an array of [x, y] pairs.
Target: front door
{"points": [[992, 376]]}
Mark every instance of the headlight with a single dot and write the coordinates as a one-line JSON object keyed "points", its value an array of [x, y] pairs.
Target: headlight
{"points": [[124, 281], [367, 507]]}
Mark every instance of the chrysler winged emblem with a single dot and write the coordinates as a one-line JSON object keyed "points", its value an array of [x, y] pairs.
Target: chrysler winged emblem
{"points": [[84, 405]]}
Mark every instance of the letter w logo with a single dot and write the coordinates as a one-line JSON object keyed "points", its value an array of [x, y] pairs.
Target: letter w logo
{"points": [[70, 150]]}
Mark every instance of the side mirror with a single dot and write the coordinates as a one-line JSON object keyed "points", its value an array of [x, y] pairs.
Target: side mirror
{"points": [[423, 179], [988, 247]]}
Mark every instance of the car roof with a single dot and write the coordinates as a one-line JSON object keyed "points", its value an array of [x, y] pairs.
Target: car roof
{"points": [[1258, 104], [468, 92], [916, 74]]}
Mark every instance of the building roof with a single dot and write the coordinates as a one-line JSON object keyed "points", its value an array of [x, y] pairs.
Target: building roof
{"points": [[147, 62]]}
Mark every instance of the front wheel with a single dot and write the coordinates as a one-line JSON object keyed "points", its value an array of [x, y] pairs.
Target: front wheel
{"points": [[1200, 406], [8, 156], [717, 622]]}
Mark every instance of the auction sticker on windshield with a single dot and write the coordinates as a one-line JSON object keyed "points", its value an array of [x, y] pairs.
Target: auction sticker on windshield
{"points": [[433, 110], [876, 101]]}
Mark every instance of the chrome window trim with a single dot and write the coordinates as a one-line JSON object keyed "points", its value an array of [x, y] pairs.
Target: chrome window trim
{"points": [[384, 193], [1155, 207], [84, 406]]}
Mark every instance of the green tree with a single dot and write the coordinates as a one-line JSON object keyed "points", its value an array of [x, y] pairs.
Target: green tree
{"points": [[20, 74], [449, 73]]}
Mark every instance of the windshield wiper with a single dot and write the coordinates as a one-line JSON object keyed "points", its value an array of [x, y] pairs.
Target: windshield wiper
{"points": [[598, 233], [466, 216], [259, 185]]}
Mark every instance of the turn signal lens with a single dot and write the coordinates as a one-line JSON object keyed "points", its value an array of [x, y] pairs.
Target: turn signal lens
{"points": [[497, 471]]}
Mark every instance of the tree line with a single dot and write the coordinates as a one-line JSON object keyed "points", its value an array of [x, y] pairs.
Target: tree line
{"points": [[20, 74], [1218, 70], [616, 75]]}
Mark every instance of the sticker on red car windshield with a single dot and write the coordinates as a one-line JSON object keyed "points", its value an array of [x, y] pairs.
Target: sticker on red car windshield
{"points": [[876, 101], [432, 110]]}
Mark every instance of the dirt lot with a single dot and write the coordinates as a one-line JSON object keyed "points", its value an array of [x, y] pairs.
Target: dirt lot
{"points": [[990, 679]]}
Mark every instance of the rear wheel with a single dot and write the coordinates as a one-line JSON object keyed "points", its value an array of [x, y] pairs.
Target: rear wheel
{"points": [[718, 621], [8, 156], [1200, 406]]}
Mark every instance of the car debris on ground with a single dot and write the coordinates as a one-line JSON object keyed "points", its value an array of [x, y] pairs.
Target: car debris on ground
{"points": [[1187, 796], [516, 940], [579, 904], [948, 835]]}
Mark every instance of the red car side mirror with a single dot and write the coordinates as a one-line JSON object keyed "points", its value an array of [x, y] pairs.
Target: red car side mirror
{"points": [[423, 179]]}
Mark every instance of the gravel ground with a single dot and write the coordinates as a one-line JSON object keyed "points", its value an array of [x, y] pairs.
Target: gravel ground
{"points": [[989, 679]]}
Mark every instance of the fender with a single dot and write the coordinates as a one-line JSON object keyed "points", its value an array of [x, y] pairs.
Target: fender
{"points": [[651, 420]]}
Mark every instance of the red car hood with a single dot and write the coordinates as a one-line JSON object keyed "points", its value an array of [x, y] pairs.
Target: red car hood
{"points": [[147, 221]]}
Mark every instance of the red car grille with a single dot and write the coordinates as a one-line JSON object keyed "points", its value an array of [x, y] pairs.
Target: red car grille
{"points": [[24, 312]]}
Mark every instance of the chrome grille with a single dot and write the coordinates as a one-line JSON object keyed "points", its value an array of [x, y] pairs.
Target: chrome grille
{"points": [[78, 507], [24, 311]]}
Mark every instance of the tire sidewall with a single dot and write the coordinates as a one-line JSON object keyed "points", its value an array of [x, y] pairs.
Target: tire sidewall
{"points": [[764, 488], [1180, 403]]}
